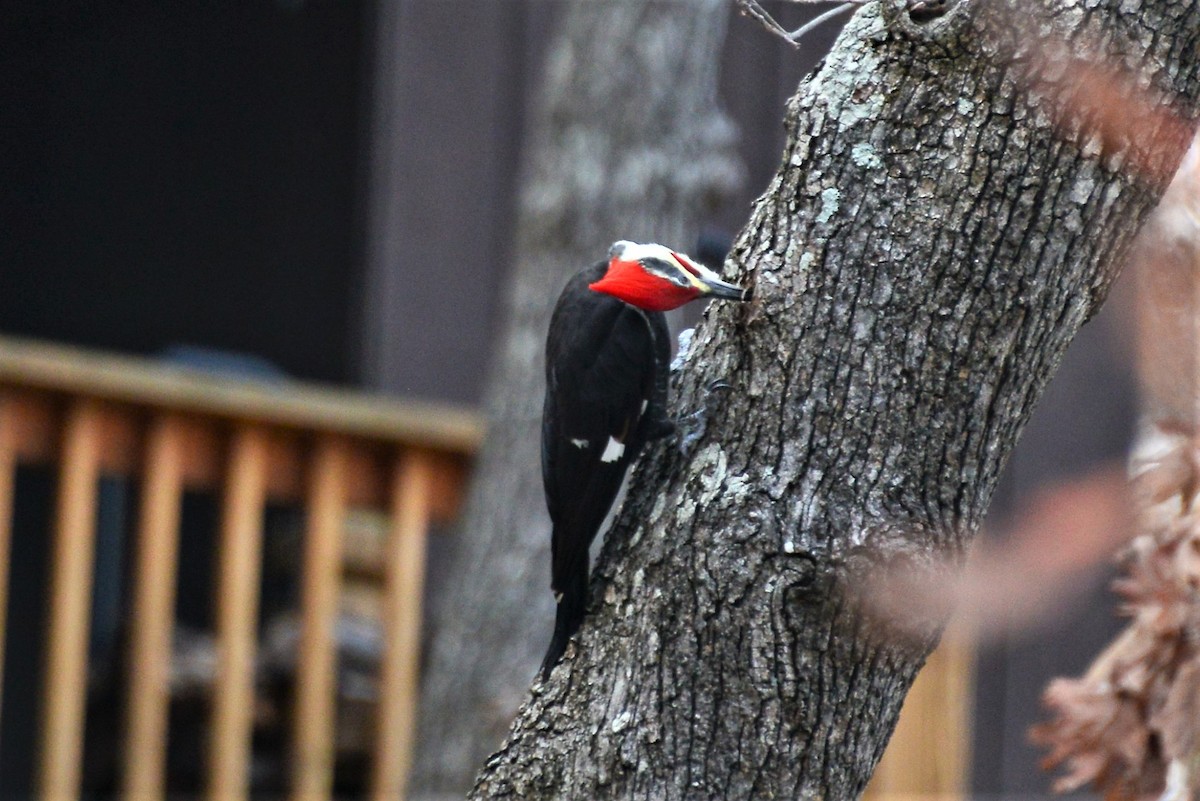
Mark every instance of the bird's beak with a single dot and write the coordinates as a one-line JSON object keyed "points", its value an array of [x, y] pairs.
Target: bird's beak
{"points": [[708, 282], [715, 287]]}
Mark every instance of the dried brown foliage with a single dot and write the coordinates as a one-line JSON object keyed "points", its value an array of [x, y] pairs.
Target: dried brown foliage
{"points": [[1137, 709]]}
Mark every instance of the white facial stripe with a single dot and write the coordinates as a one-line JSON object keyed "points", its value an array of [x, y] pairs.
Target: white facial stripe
{"points": [[687, 261], [613, 451], [676, 276], [579, 443]]}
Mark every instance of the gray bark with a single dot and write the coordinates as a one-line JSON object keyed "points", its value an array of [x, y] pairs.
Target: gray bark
{"points": [[626, 142], [946, 216]]}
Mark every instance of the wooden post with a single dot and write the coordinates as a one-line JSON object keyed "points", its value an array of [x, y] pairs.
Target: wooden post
{"points": [[405, 571], [239, 565], [929, 754], [8, 469], [312, 778], [70, 602], [153, 614]]}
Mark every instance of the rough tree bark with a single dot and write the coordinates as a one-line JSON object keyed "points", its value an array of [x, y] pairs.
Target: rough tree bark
{"points": [[952, 206], [626, 142]]}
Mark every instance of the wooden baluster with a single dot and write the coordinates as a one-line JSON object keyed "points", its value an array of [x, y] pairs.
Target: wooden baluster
{"points": [[239, 565], [70, 601], [8, 468], [405, 570], [312, 778], [153, 613]]}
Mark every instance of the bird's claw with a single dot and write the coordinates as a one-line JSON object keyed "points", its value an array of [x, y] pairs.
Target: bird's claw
{"points": [[693, 426]]}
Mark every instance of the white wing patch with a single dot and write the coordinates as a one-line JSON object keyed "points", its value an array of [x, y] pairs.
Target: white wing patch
{"points": [[579, 443], [613, 451]]}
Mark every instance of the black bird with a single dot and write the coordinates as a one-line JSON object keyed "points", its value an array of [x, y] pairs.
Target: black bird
{"points": [[607, 356]]}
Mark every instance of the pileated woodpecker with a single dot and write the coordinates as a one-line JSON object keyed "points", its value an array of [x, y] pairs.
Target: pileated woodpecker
{"points": [[607, 356]]}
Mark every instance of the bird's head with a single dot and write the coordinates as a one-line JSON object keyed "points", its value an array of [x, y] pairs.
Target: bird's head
{"points": [[656, 278]]}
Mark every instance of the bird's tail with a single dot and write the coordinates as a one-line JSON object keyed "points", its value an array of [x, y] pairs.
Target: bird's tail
{"points": [[572, 606]]}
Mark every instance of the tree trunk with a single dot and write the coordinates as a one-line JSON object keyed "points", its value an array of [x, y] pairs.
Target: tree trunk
{"points": [[953, 203], [629, 96]]}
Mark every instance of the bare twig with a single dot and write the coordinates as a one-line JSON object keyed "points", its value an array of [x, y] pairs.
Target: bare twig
{"points": [[752, 9], [800, 32]]}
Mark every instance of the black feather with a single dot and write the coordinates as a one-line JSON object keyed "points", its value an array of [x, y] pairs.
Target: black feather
{"points": [[606, 379]]}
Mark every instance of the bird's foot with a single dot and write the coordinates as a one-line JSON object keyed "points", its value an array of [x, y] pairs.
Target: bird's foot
{"points": [[692, 426]]}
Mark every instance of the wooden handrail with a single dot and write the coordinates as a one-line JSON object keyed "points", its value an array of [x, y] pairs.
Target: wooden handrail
{"points": [[37, 376], [287, 404], [174, 429]]}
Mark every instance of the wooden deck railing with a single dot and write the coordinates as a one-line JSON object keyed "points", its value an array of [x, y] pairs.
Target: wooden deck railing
{"points": [[328, 451], [91, 415]]}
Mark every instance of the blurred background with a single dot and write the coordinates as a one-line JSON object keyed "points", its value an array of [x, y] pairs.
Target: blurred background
{"points": [[325, 191]]}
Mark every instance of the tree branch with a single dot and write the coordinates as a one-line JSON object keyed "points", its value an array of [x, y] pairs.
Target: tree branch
{"points": [[752, 9]]}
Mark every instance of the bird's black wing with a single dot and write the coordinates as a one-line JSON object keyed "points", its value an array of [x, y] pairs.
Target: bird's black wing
{"points": [[591, 428], [656, 422]]}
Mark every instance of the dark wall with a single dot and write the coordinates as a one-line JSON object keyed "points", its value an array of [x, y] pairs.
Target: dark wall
{"points": [[182, 172], [198, 173], [451, 82]]}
